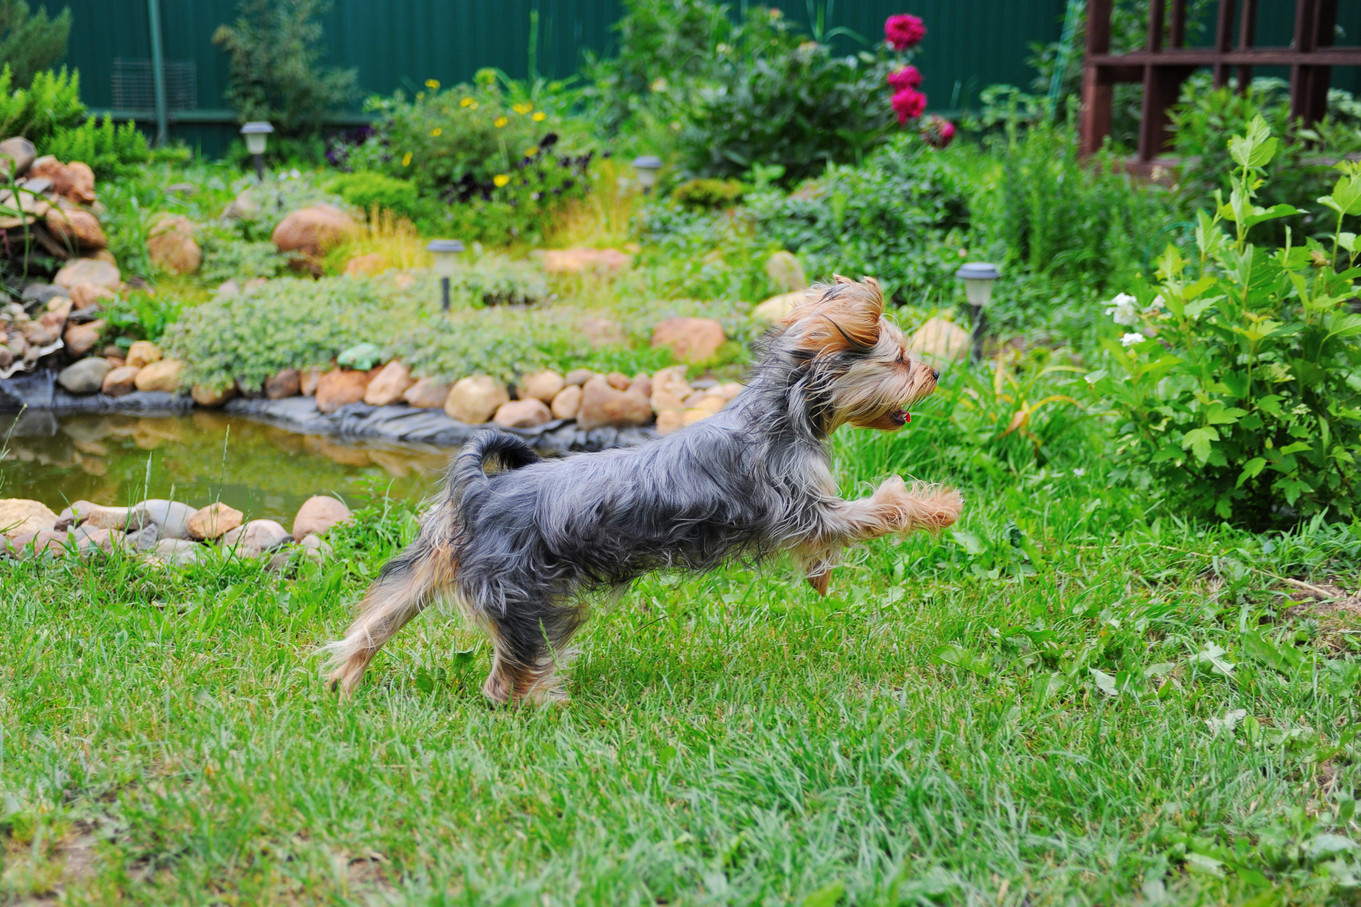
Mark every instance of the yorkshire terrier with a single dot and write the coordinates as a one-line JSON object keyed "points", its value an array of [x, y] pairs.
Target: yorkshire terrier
{"points": [[517, 541]]}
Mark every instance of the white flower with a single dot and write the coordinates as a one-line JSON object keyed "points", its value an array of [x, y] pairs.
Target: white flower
{"points": [[1156, 305], [1124, 309], [1079, 472], [1131, 338]]}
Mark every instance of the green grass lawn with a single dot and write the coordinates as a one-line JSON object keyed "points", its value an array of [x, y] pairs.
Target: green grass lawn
{"points": [[1070, 700]]}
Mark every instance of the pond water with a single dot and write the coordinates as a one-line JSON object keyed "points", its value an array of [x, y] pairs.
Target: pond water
{"points": [[262, 470]]}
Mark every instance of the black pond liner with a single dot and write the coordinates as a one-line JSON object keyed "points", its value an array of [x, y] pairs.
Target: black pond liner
{"points": [[38, 392]]}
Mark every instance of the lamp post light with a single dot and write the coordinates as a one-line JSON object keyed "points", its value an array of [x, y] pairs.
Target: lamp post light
{"points": [[647, 167], [446, 252], [257, 135], [978, 278]]}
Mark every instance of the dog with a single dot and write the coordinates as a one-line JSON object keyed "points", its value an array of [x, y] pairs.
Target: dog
{"points": [[518, 541]]}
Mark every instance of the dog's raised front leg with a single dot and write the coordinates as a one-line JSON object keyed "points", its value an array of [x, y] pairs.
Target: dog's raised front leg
{"points": [[893, 508]]}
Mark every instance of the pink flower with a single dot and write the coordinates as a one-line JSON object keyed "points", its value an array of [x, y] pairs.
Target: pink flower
{"points": [[907, 77], [938, 132], [903, 31], [908, 104]]}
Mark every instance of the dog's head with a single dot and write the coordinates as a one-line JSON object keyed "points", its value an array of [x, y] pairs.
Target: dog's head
{"points": [[854, 364]]}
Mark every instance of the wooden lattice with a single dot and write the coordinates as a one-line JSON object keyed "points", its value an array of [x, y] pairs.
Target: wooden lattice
{"points": [[1163, 67]]}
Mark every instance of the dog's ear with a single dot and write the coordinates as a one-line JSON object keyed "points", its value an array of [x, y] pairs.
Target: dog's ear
{"points": [[845, 316]]}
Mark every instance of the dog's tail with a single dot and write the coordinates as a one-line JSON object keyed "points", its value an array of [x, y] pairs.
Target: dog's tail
{"points": [[489, 453], [414, 579]]}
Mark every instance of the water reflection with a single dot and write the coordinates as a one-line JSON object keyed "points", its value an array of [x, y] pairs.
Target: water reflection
{"points": [[201, 457]]}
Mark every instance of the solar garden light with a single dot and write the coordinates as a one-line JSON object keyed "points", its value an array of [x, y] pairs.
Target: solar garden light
{"points": [[257, 135], [978, 278], [446, 253], [647, 167]]}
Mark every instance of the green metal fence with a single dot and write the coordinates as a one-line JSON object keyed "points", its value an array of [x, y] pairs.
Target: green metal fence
{"points": [[400, 43]]}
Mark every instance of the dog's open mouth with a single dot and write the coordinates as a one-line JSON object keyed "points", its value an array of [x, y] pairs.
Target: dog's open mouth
{"points": [[901, 416], [892, 420]]}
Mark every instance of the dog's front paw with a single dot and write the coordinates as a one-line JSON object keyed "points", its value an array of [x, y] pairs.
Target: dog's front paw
{"points": [[937, 507]]}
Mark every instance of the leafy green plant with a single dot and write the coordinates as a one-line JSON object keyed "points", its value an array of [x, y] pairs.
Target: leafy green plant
{"points": [[274, 52], [111, 149], [139, 316], [50, 103], [1302, 171], [901, 217], [29, 43], [1241, 393]]}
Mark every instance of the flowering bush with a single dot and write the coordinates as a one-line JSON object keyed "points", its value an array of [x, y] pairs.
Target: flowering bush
{"points": [[494, 164], [1239, 372]]}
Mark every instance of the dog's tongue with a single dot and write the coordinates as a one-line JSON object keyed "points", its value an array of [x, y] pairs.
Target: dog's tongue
{"points": [[907, 417]]}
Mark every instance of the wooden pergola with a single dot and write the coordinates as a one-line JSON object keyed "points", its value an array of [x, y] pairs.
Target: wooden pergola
{"points": [[1162, 67]]}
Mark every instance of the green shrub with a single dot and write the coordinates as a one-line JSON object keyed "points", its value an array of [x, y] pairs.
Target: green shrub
{"points": [[50, 103], [1241, 389], [31, 44], [139, 316], [707, 193], [226, 256], [111, 150], [366, 190], [1302, 172], [274, 51], [796, 105], [902, 217]]}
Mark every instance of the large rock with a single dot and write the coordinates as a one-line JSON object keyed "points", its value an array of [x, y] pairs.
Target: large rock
{"points": [[81, 338], [20, 515], [59, 177], [689, 339], [143, 352], [120, 381], [177, 551], [777, 308], [85, 376], [318, 514], [16, 156], [82, 189], [311, 232], [207, 397], [522, 414], [95, 516], [427, 393], [388, 385], [77, 227], [603, 405], [213, 521], [785, 272], [171, 245], [256, 538], [567, 403], [282, 384], [476, 399], [575, 261], [940, 340], [542, 386], [84, 295], [169, 519], [341, 387], [163, 376]]}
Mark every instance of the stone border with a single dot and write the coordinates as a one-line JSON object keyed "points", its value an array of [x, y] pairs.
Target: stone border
{"points": [[38, 392]]}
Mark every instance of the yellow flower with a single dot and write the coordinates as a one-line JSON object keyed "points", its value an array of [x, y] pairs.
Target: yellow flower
{"points": [[432, 84], [436, 131], [406, 159], [500, 121], [530, 152], [539, 117], [523, 108], [466, 102], [500, 180]]}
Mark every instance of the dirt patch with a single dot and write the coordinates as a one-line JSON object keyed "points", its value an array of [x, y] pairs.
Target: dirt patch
{"points": [[1337, 611]]}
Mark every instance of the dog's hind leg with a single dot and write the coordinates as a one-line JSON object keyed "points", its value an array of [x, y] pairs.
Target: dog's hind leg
{"points": [[529, 648], [408, 583]]}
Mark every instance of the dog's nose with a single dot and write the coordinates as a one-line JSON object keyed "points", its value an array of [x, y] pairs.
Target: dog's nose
{"points": [[935, 374]]}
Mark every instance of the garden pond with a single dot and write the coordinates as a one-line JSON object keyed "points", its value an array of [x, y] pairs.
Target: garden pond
{"points": [[203, 456]]}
